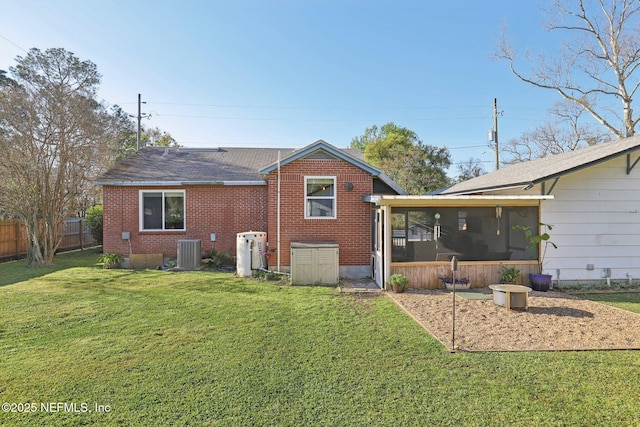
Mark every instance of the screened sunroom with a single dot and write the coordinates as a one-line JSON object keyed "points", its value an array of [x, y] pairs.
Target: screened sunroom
{"points": [[470, 233], [482, 232]]}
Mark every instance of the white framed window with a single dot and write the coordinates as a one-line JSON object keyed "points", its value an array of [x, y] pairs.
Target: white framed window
{"points": [[162, 210], [320, 197]]}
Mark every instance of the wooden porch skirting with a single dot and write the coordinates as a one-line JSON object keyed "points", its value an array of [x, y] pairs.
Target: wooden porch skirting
{"points": [[426, 275]]}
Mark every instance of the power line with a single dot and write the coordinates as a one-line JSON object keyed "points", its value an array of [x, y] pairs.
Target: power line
{"points": [[15, 44], [193, 116], [468, 146], [327, 107]]}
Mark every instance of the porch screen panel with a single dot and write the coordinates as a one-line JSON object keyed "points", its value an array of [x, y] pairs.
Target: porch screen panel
{"points": [[469, 233], [399, 233]]}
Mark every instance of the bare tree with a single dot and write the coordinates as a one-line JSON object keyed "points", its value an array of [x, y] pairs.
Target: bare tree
{"points": [[564, 131], [470, 169], [53, 134], [598, 68]]}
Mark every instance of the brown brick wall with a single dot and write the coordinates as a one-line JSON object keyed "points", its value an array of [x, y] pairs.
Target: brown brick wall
{"points": [[224, 210], [352, 227], [228, 210]]}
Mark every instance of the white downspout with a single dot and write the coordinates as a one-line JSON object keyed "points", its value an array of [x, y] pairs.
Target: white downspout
{"points": [[278, 215]]}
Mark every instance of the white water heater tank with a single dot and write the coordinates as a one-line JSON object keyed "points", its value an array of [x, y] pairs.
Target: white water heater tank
{"points": [[251, 249]]}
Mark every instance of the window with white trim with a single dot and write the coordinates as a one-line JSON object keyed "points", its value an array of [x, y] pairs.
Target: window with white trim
{"points": [[162, 210], [320, 197]]}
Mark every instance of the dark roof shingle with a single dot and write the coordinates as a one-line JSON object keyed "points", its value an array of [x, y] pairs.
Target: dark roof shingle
{"points": [[160, 165], [173, 166]]}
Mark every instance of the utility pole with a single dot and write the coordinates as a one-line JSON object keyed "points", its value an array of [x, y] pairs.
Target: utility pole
{"points": [[140, 115], [493, 134], [495, 128]]}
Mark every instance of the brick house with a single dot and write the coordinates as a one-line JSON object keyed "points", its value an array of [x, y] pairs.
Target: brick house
{"points": [[157, 197]]}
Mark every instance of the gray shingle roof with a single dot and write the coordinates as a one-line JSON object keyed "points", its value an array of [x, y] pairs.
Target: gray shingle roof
{"points": [[539, 170], [160, 166], [155, 165]]}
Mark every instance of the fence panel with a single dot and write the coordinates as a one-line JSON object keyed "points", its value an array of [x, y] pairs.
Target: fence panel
{"points": [[13, 241]]}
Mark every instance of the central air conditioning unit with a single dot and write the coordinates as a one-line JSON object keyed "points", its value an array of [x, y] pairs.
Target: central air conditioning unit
{"points": [[189, 254]]}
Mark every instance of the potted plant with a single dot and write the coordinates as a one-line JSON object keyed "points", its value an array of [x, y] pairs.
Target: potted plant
{"points": [[461, 282], [509, 274], [539, 281], [398, 282]]}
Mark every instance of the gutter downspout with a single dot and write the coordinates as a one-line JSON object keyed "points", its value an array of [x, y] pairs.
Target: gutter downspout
{"points": [[278, 215]]}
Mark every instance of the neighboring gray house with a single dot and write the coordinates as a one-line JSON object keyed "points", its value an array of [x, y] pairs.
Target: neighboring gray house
{"points": [[591, 196]]}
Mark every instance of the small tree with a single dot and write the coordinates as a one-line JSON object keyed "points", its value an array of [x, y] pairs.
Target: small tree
{"points": [[534, 240], [53, 135], [94, 220]]}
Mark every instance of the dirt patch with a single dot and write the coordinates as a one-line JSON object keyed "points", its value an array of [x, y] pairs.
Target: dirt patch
{"points": [[358, 285], [554, 321]]}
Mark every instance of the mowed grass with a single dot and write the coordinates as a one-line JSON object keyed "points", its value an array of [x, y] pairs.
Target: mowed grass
{"points": [[204, 348], [625, 300]]}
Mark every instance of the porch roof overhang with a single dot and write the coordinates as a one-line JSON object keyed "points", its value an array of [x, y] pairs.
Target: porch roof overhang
{"points": [[463, 200]]}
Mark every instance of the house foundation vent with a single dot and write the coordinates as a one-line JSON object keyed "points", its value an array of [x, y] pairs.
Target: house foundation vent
{"points": [[189, 254]]}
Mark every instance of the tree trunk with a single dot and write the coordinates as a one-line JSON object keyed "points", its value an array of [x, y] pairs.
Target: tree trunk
{"points": [[628, 119], [34, 250]]}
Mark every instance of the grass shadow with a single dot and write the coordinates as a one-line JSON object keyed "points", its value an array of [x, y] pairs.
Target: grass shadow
{"points": [[12, 272]]}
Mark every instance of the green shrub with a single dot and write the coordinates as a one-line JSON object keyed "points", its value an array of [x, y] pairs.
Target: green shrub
{"points": [[110, 260], [94, 220], [219, 260], [272, 276], [508, 274], [398, 281]]}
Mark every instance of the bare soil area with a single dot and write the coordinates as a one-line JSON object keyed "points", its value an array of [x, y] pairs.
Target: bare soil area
{"points": [[554, 321]]}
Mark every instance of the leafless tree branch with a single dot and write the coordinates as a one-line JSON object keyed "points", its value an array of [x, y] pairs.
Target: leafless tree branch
{"points": [[597, 67]]}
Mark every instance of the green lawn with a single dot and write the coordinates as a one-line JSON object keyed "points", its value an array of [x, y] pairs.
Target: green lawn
{"points": [[203, 348], [625, 300]]}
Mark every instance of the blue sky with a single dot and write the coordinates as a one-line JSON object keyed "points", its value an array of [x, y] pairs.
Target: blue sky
{"points": [[287, 73]]}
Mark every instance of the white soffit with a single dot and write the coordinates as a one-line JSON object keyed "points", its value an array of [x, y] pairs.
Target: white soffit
{"points": [[454, 200]]}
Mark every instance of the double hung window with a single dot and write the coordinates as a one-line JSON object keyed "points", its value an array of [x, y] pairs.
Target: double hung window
{"points": [[320, 197], [162, 210]]}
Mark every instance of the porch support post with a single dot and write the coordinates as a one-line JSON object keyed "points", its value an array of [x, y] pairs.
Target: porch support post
{"points": [[386, 247]]}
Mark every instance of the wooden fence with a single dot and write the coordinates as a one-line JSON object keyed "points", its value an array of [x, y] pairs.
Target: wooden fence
{"points": [[13, 241]]}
